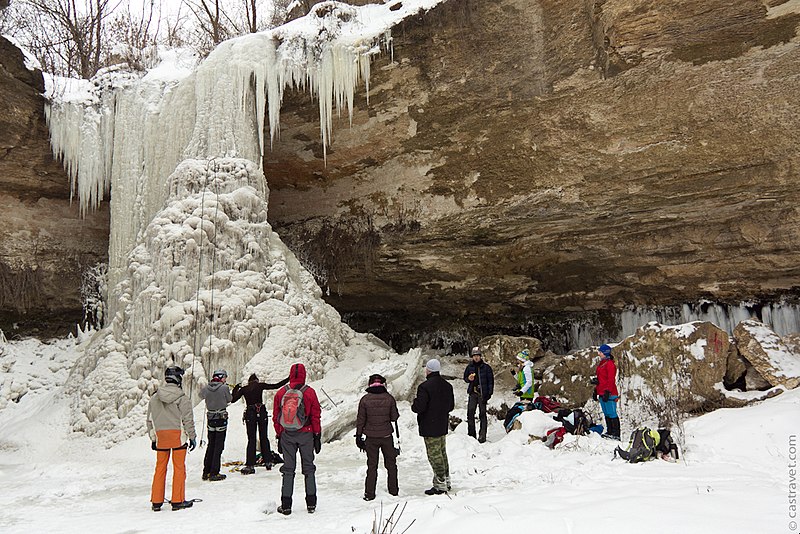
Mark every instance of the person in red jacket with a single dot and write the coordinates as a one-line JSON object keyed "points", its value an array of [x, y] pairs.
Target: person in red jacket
{"points": [[606, 391], [296, 414]]}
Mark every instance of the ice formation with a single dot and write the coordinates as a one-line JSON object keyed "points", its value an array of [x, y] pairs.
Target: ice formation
{"points": [[196, 274]]}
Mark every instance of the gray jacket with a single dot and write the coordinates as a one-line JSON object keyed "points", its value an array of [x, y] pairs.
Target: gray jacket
{"points": [[170, 409], [217, 396]]}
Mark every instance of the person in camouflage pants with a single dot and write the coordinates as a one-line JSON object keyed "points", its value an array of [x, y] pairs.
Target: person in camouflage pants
{"points": [[433, 404]]}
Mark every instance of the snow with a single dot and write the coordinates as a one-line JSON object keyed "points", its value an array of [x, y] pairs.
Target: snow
{"points": [[733, 476]]}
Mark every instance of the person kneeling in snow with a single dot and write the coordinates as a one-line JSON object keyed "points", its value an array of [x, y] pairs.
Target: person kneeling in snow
{"points": [[169, 422], [217, 395], [377, 410]]}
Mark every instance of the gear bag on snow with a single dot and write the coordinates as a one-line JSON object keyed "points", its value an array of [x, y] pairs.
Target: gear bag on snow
{"points": [[641, 447], [293, 410], [575, 421], [546, 404]]}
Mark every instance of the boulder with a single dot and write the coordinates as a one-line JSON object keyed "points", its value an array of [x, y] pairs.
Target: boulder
{"points": [[768, 354], [736, 366], [567, 377], [667, 371]]}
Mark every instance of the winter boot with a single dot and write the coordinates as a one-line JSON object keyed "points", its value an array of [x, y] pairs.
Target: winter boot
{"points": [[615, 428], [157, 506], [182, 505], [608, 434], [434, 491], [286, 506], [217, 476], [248, 470], [311, 503], [205, 476]]}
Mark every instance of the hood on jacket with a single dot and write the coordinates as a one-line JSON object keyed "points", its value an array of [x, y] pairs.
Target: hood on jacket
{"points": [[214, 386], [168, 393], [297, 375], [376, 389]]}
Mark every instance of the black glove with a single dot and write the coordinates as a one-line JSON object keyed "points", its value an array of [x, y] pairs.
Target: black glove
{"points": [[513, 373], [192, 444], [594, 380], [594, 395], [517, 388], [317, 443], [360, 443], [518, 393], [153, 446], [606, 395]]}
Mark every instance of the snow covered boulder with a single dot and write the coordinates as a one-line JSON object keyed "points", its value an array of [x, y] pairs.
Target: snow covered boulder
{"points": [[768, 354], [667, 371], [567, 377]]}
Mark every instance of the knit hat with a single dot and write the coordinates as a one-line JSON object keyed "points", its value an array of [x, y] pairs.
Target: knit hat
{"points": [[376, 380], [523, 355], [605, 349], [433, 366]]}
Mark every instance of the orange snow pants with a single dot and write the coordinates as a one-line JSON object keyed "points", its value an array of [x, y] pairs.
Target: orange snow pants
{"points": [[166, 441]]}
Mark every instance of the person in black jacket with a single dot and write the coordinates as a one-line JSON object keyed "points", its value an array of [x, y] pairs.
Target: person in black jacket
{"points": [[480, 379], [255, 418], [433, 404], [377, 410]]}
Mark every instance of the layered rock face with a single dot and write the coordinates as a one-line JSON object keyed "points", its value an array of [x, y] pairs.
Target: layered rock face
{"points": [[45, 245], [534, 159]]}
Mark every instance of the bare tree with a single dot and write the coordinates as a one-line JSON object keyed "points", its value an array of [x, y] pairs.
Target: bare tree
{"points": [[67, 36]]}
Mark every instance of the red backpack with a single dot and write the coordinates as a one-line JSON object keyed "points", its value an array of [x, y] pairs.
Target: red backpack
{"points": [[293, 411]]}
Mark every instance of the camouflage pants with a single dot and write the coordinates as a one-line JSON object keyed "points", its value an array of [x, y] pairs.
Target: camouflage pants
{"points": [[437, 457]]}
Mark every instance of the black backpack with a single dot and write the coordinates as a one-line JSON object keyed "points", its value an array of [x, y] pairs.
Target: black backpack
{"points": [[575, 421], [641, 447]]}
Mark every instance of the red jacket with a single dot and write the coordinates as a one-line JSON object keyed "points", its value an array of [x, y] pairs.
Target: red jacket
{"points": [[606, 377], [297, 377]]}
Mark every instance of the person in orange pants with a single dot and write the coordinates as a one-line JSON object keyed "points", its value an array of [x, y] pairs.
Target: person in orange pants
{"points": [[169, 422]]}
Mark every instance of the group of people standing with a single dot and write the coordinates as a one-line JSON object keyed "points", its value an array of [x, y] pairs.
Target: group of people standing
{"points": [[296, 415]]}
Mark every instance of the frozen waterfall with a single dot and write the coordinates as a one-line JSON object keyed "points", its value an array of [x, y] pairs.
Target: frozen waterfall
{"points": [[197, 275]]}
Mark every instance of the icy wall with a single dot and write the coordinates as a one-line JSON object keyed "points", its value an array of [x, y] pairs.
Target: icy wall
{"points": [[197, 275]]}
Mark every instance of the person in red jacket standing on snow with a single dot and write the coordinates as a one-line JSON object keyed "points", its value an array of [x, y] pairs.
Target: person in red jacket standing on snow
{"points": [[296, 414], [606, 391]]}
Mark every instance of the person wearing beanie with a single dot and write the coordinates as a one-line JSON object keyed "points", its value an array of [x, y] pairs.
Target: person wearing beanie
{"points": [[377, 410], [296, 414], [255, 419], [217, 395], [169, 422], [606, 391], [480, 385], [433, 403]]}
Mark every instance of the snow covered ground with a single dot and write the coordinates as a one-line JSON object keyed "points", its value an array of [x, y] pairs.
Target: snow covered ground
{"points": [[733, 477]]}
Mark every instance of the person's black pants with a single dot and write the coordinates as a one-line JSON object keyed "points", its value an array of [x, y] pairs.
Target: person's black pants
{"points": [[476, 401], [216, 443], [386, 447], [256, 420]]}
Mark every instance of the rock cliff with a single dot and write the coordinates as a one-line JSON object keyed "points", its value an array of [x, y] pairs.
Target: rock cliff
{"points": [[44, 244], [517, 163], [521, 160]]}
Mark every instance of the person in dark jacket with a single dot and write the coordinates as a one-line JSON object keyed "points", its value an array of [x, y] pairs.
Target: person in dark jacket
{"points": [[217, 395], [255, 419], [433, 404], [302, 433], [606, 391], [377, 410], [480, 379]]}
